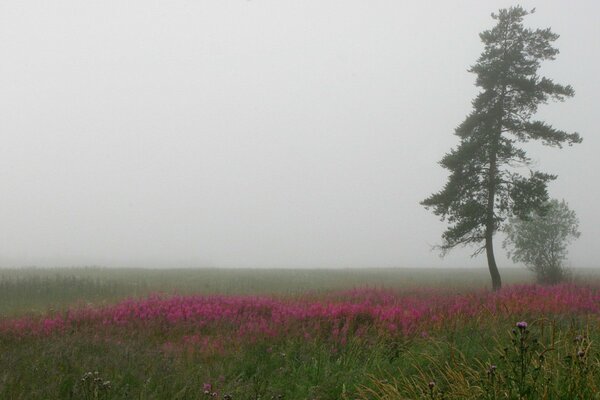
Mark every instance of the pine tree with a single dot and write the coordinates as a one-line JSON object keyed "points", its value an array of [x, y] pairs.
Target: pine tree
{"points": [[484, 187]]}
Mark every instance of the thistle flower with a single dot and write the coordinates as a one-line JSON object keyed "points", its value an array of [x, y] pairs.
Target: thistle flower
{"points": [[522, 325]]}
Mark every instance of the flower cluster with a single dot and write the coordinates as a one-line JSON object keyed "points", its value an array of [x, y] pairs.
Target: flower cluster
{"points": [[201, 319]]}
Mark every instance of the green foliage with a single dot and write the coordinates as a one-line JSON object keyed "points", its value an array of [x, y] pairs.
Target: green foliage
{"points": [[551, 363], [540, 240], [483, 189]]}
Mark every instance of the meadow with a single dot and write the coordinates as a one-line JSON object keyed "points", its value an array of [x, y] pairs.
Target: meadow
{"points": [[94, 333]]}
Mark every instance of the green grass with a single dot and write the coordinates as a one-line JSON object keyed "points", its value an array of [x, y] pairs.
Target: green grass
{"points": [[137, 367], [36, 290], [53, 368]]}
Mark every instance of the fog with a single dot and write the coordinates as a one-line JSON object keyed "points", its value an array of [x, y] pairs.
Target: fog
{"points": [[260, 133]]}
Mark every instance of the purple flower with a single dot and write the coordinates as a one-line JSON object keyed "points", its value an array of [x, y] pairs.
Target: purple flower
{"points": [[522, 325], [431, 385]]}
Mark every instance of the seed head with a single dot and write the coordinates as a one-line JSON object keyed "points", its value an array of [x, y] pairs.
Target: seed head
{"points": [[207, 387]]}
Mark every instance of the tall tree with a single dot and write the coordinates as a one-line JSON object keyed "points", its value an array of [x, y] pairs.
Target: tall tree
{"points": [[484, 187]]}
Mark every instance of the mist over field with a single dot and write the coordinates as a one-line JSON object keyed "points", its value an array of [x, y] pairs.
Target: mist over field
{"points": [[241, 200], [259, 133]]}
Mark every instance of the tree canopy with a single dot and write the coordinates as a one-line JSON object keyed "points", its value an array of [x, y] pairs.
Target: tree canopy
{"points": [[484, 187], [540, 240]]}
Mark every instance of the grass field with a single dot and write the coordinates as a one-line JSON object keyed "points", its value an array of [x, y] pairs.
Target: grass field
{"points": [[37, 290], [93, 333]]}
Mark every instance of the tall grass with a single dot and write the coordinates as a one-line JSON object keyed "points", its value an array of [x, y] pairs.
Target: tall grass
{"points": [[541, 361], [361, 343], [36, 290], [263, 334]]}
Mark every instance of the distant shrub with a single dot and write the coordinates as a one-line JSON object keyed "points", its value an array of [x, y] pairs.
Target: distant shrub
{"points": [[540, 240]]}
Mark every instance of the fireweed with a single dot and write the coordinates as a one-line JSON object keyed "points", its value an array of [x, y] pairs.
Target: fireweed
{"points": [[214, 322]]}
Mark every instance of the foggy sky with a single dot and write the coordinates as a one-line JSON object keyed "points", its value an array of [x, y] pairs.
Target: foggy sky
{"points": [[259, 133]]}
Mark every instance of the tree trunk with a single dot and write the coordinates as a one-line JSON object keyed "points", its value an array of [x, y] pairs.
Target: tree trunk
{"points": [[489, 220], [489, 250], [489, 223]]}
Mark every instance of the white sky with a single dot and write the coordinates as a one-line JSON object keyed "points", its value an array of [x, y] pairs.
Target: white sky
{"points": [[259, 133]]}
